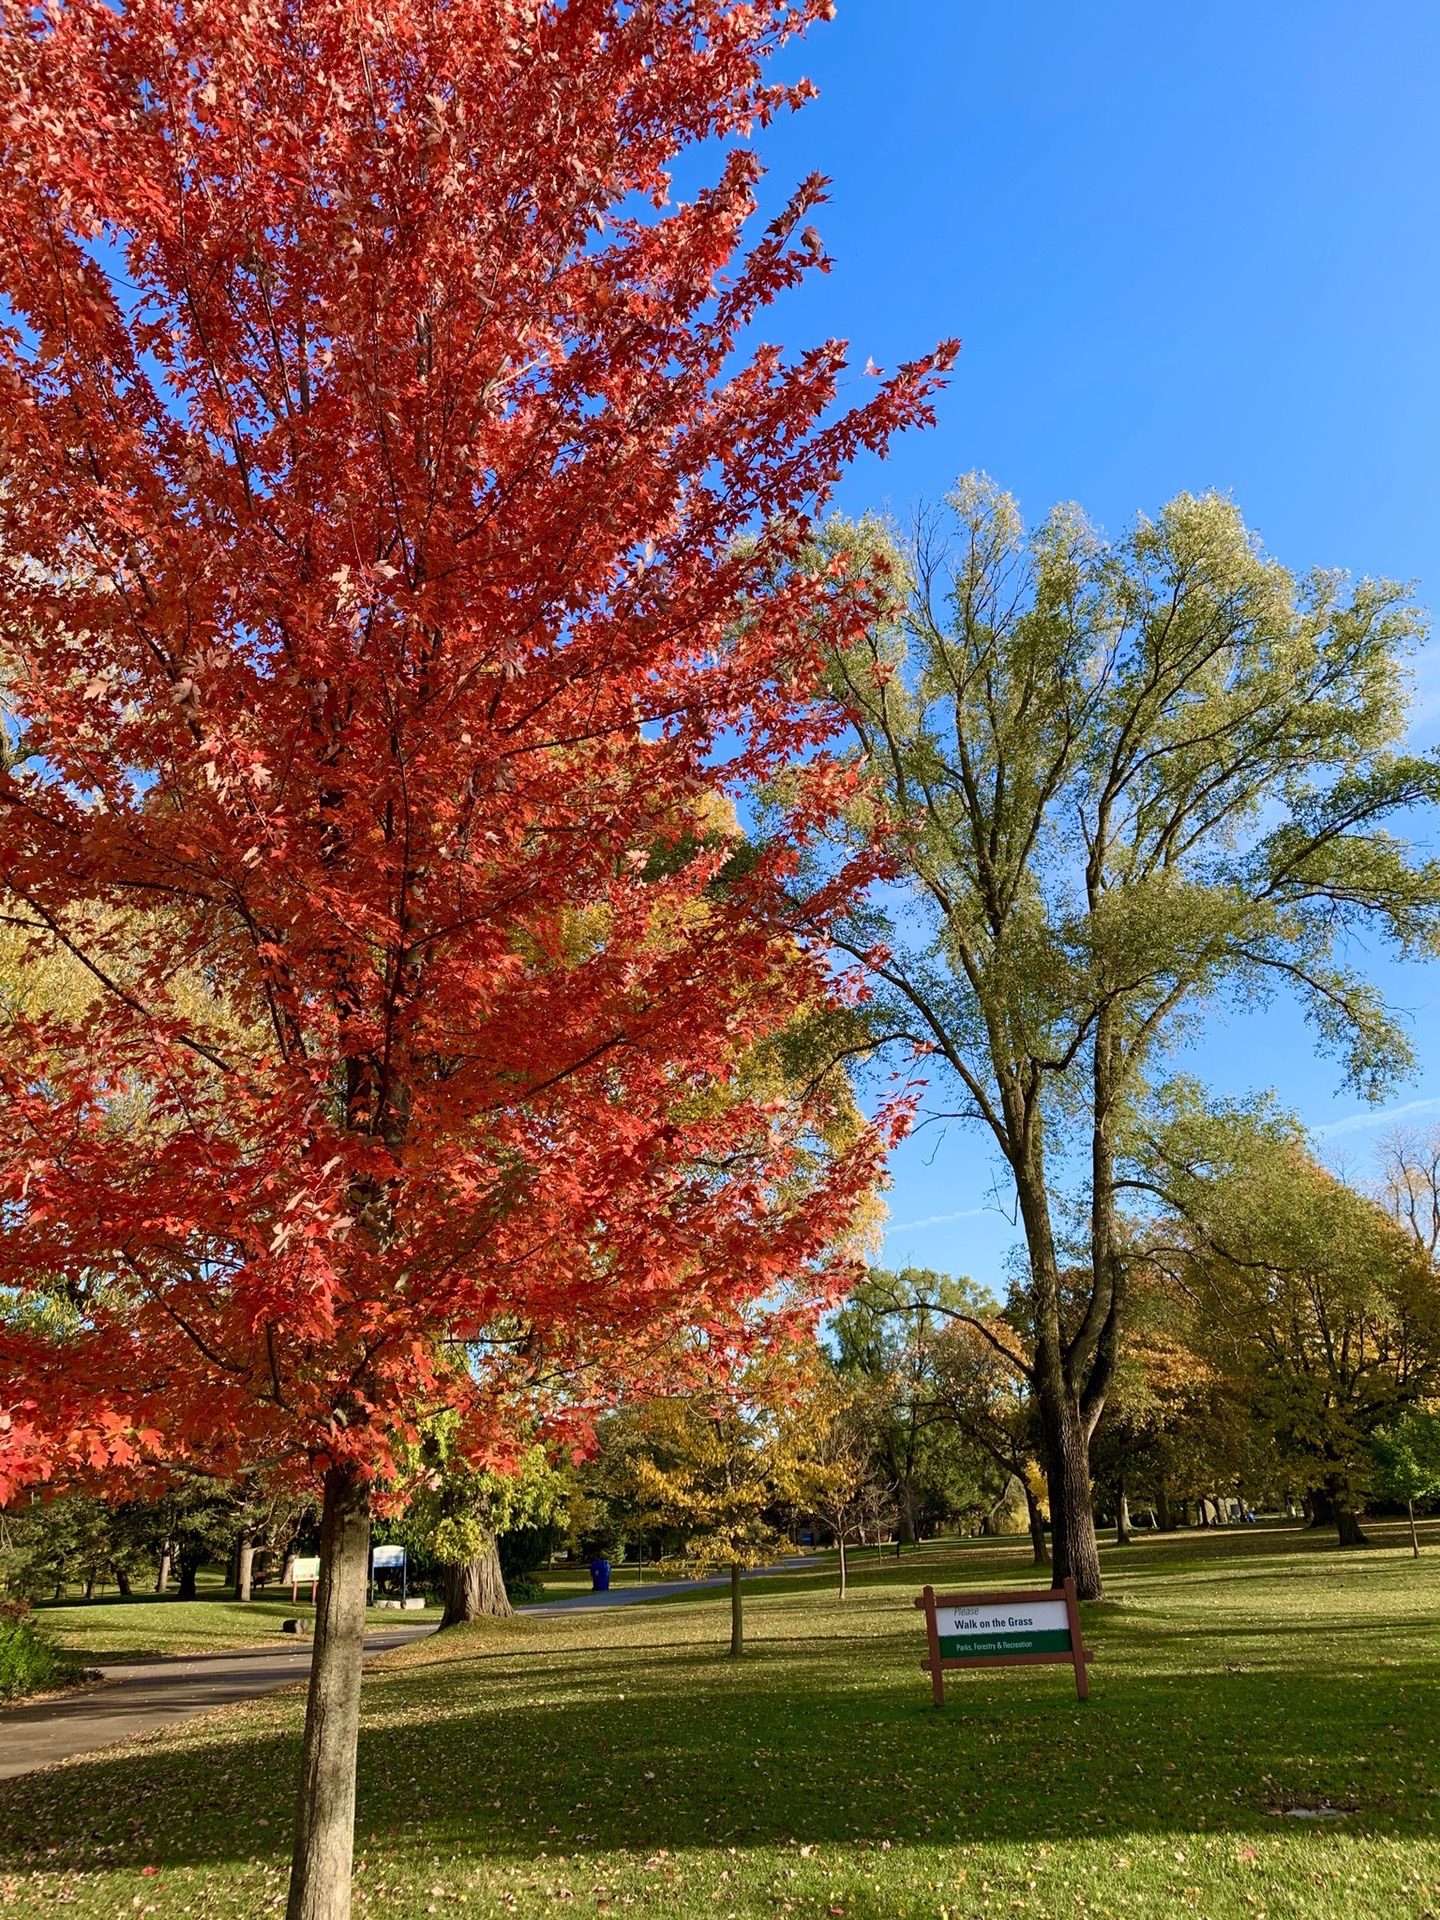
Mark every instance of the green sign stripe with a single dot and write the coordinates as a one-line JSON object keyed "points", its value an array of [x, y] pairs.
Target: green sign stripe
{"points": [[984, 1646]]}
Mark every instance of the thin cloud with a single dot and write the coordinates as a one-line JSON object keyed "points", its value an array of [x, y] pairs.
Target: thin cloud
{"points": [[1364, 1122], [936, 1220]]}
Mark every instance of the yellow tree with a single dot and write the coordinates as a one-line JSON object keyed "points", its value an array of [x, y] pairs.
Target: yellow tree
{"points": [[722, 1469]]}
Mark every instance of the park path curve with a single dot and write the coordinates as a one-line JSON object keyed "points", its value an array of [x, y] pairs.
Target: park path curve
{"points": [[140, 1696]]}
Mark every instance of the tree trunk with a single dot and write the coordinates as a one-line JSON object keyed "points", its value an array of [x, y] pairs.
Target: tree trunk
{"points": [[1320, 1508], [325, 1819], [475, 1590], [1348, 1528], [842, 1560], [1122, 1516], [122, 1582], [1162, 1508], [190, 1564], [737, 1613], [1075, 1550], [1039, 1551], [90, 1586], [1414, 1537], [244, 1565], [162, 1576]]}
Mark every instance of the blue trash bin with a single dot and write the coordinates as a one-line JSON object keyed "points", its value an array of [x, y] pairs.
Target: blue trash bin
{"points": [[599, 1576]]}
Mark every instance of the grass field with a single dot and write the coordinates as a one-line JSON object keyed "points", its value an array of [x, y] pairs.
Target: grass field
{"points": [[137, 1629], [608, 1762]]}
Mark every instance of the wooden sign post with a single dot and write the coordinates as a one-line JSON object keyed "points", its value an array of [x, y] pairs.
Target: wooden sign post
{"points": [[1004, 1630]]}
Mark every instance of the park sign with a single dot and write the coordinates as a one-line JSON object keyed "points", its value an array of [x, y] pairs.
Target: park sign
{"points": [[1003, 1630]]}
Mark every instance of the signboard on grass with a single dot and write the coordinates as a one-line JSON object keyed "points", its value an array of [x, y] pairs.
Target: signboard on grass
{"points": [[304, 1570], [388, 1557], [1003, 1630]]}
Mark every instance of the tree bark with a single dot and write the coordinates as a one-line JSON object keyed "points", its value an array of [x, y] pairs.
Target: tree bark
{"points": [[475, 1590], [1348, 1528], [244, 1566], [842, 1560], [737, 1613], [122, 1581], [1074, 1549], [325, 1819], [189, 1566], [162, 1575], [1414, 1537], [1163, 1517], [1039, 1551], [1122, 1516]]}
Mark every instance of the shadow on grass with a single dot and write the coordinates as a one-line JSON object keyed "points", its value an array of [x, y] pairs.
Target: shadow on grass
{"points": [[668, 1746]]}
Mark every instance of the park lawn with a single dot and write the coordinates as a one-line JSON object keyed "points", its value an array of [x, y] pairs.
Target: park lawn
{"points": [[608, 1762], [147, 1625]]}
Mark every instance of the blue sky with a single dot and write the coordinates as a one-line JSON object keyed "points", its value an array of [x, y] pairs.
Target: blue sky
{"points": [[1185, 247]]}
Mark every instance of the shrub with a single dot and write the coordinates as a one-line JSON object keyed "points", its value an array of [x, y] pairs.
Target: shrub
{"points": [[523, 1591], [29, 1663]]}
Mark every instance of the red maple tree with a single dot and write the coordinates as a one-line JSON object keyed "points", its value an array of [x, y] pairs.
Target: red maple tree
{"points": [[402, 564]]}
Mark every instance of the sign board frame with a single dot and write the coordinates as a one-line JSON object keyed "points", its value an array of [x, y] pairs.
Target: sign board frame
{"points": [[1077, 1655]]}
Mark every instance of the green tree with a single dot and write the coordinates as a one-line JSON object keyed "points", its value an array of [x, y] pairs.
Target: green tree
{"points": [[887, 1334], [1407, 1462], [459, 1514], [1120, 780]]}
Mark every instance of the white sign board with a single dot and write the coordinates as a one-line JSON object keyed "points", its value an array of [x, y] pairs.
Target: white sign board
{"points": [[389, 1557], [1031, 1626], [304, 1570]]}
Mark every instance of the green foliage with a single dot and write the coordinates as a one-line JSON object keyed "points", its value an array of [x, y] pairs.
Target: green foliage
{"points": [[1407, 1457], [30, 1662], [457, 1511], [895, 1333]]}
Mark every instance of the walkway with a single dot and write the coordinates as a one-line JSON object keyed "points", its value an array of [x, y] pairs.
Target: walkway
{"points": [[661, 1589], [139, 1697], [143, 1695]]}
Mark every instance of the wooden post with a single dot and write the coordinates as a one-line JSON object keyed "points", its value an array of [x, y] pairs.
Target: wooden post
{"points": [[932, 1627], [1077, 1645]]}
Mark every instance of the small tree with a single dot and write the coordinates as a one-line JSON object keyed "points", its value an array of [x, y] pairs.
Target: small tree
{"points": [[1407, 1462], [829, 1439], [720, 1469]]}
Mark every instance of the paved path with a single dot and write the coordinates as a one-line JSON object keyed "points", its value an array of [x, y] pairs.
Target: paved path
{"points": [[660, 1590], [143, 1695]]}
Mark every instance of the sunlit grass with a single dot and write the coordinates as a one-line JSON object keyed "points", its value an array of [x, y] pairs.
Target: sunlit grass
{"points": [[619, 1761], [149, 1624]]}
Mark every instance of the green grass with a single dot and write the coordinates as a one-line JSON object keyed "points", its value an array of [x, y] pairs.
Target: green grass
{"points": [[611, 1762], [146, 1625]]}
